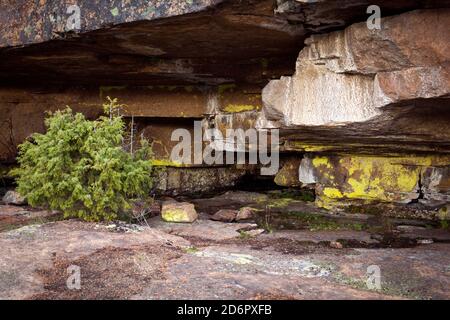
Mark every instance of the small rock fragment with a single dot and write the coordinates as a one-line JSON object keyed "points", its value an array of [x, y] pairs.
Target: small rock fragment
{"points": [[244, 213], [13, 197], [336, 245], [425, 241], [225, 215]]}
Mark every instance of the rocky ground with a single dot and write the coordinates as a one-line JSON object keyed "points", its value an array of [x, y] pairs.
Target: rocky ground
{"points": [[293, 251]]}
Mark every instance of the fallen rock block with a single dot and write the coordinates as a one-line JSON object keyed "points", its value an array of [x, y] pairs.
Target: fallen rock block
{"points": [[178, 212], [13, 197], [225, 215]]}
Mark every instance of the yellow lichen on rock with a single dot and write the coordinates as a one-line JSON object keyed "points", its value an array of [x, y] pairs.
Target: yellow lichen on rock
{"points": [[165, 163], [332, 192], [178, 212], [235, 108], [370, 178], [321, 161]]}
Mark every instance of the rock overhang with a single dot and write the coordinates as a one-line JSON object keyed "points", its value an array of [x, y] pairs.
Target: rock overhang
{"points": [[213, 59], [168, 42]]}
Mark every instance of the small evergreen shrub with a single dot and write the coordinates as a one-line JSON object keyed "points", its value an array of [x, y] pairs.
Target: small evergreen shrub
{"points": [[80, 166]]}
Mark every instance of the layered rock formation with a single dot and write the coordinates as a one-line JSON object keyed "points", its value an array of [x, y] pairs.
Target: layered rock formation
{"points": [[352, 104], [373, 102]]}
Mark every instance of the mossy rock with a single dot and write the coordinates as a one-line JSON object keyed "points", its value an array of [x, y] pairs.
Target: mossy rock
{"points": [[178, 212]]}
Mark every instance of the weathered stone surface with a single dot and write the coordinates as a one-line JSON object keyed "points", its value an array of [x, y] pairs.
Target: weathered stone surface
{"points": [[225, 215], [169, 42], [274, 96], [178, 212], [35, 247], [13, 197], [319, 15], [13, 216], [412, 83], [417, 127], [196, 42], [394, 47], [24, 111], [315, 96], [212, 260], [175, 181], [435, 183], [231, 98], [45, 20], [162, 101], [239, 123], [204, 229], [347, 76]]}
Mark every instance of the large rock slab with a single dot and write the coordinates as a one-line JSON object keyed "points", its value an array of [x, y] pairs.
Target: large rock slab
{"points": [[27, 250]]}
